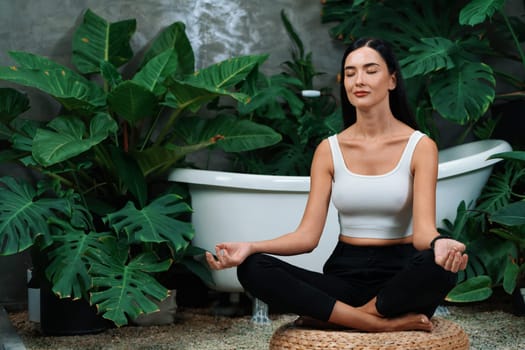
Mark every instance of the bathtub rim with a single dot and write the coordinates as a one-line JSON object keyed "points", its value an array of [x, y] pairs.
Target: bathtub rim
{"points": [[229, 179]]}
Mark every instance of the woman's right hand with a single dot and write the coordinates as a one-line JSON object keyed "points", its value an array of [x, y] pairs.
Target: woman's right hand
{"points": [[228, 255]]}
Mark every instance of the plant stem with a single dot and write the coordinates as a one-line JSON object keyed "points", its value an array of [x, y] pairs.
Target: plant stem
{"points": [[514, 37], [168, 126]]}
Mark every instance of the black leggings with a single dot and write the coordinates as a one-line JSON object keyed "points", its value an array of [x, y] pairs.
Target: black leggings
{"points": [[403, 279]]}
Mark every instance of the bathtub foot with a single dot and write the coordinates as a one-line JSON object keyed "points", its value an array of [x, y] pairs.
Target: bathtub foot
{"points": [[260, 313]]}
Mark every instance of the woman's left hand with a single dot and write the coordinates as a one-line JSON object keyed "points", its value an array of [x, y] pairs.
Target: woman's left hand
{"points": [[450, 254]]}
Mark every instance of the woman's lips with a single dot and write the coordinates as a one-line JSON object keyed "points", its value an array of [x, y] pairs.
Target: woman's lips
{"points": [[360, 93]]}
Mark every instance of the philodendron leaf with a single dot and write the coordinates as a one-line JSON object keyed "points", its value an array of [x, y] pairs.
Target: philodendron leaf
{"points": [[124, 289], [66, 137], [132, 101], [463, 94], [24, 216], [474, 289], [153, 74], [173, 37], [515, 155], [476, 11], [510, 277], [155, 223], [96, 40], [510, 215], [12, 104], [71, 89], [225, 74]]}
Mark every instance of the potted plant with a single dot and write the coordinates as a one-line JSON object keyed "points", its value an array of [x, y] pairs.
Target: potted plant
{"points": [[95, 208], [495, 235]]}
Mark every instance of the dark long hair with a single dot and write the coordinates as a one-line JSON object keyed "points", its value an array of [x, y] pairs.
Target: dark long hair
{"points": [[397, 97]]}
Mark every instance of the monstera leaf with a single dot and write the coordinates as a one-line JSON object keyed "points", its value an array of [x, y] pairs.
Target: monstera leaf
{"points": [[65, 137], [476, 11], [24, 215], [124, 288], [155, 223], [464, 93], [68, 260], [96, 40]]}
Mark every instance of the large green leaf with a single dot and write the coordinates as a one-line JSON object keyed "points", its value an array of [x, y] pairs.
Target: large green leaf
{"points": [[514, 155], [66, 137], [510, 276], [474, 289], [124, 289], [173, 37], [431, 55], [96, 40], [12, 104], [225, 74], [24, 215], [69, 88], [155, 72], [476, 11], [183, 95], [229, 133], [463, 94], [510, 215], [155, 223], [132, 101], [68, 260]]}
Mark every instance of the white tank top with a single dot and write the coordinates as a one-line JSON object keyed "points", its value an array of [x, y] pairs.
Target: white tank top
{"points": [[374, 206]]}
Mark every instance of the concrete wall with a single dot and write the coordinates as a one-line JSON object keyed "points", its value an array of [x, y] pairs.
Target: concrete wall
{"points": [[218, 29]]}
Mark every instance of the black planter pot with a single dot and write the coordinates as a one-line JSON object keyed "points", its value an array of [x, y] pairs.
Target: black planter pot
{"points": [[518, 302], [67, 316]]}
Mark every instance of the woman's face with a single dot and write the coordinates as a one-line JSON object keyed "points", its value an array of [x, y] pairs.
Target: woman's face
{"points": [[367, 80]]}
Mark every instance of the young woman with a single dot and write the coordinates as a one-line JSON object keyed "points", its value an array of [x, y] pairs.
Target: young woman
{"points": [[390, 269]]}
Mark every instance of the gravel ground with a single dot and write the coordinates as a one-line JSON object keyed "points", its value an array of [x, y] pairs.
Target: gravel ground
{"points": [[490, 325]]}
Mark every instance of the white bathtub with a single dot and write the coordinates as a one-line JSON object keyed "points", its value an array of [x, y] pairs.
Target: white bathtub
{"points": [[239, 207]]}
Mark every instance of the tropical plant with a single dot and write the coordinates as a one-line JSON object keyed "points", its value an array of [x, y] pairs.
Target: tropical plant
{"points": [[494, 232], [302, 121], [445, 47], [96, 208]]}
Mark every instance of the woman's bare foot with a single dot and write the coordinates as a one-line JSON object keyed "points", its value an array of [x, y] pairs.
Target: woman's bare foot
{"points": [[410, 322]]}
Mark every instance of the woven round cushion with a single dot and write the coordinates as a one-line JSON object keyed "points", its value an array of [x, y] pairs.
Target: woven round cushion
{"points": [[446, 335]]}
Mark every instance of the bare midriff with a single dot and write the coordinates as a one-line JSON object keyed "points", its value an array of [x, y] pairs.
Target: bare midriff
{"points": [[374, 241]]}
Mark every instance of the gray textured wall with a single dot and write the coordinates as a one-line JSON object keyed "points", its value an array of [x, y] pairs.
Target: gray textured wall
{"points": [[218, 29]]}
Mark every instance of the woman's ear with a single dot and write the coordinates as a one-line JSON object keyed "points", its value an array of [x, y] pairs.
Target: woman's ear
{"points": [[393, 81]]}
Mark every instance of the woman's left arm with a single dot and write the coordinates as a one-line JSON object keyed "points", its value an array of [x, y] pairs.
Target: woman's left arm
{"points": [[450, 254]]}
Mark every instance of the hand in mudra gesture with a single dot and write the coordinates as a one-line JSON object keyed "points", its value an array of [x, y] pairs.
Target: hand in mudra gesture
{"points": [[450, 254], [228, 255]]}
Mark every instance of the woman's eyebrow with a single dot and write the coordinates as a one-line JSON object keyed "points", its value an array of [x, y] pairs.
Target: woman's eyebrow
{"points": [[366, 65]]}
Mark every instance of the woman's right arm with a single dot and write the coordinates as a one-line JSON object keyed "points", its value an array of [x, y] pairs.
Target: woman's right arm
{"points": [[308, 233]]}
